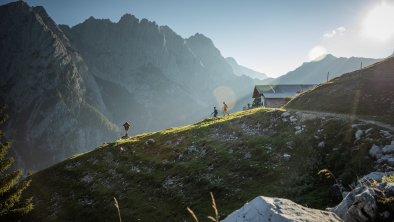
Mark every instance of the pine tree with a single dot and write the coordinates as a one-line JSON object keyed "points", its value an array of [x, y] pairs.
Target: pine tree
{"points": [[12, 205]]}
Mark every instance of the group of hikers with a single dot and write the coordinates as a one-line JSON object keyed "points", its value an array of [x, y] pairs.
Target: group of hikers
{"points": [[225, 110]]}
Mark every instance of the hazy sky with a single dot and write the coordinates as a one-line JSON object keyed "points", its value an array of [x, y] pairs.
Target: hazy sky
{"points": [[270, 36]]}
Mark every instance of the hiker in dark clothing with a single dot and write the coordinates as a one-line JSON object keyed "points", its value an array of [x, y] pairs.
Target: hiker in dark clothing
{"points": [[215, 112]]}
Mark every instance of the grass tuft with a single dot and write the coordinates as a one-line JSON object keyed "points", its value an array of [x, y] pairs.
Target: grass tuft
{"points": [[193, 214], [328, 174], [215, 209], [117, 207], [388, 179]]}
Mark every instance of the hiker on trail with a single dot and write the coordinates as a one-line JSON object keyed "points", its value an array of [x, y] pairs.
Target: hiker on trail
{"points": [[225, 109], [215, 112]]}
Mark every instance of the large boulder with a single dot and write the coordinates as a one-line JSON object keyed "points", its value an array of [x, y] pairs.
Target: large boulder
{"points": [[364, 207], [266, 209], [360, 205]]}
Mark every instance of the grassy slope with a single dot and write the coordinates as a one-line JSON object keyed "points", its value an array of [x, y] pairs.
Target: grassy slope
{"points": [[237, 158], [366, 92]]}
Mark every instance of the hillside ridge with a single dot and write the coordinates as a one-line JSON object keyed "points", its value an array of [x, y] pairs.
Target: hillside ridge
{"points": [[247, 154], [365, 92]]}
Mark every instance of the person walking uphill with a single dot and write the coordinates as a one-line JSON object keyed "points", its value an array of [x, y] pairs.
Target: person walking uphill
{"points": [[225, 109], [215, 112]]}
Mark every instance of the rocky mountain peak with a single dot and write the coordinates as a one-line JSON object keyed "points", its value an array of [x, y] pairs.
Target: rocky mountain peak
{"points": [[93, 20], [329, 56], [17, 4], [200, 39], [128, 19]]}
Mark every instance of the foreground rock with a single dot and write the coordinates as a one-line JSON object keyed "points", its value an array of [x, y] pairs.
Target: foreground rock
{"points": [[358, 205], [262, 209], [362, 203]]}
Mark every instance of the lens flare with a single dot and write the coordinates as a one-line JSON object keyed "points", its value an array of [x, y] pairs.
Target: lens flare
{"points": [[225, 94], [378, 23], [317, 53]]}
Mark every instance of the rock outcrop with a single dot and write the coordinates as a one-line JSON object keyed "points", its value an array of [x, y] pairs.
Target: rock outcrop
{"points": [[384, 156], [266, 209], [371, 200], [368, 202], [358, 206], [53, 103]]}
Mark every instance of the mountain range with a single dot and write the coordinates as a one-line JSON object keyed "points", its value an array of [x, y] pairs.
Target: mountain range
{"points": [[68, 89], [329, 67]]}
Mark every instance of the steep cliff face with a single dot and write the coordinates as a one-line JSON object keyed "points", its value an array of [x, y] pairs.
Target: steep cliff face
{"points": [[170, 80], [66, 88], [44, 82]]}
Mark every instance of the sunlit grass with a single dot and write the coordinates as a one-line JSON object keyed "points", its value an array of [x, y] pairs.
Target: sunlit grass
{"points": [[388, 179], [198, 125], [198, 159]]}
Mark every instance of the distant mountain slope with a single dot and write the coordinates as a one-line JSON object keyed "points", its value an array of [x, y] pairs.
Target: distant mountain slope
{"points": [[316, 71], [242, 70], [255, 152], [363, 92], [53, 103]]}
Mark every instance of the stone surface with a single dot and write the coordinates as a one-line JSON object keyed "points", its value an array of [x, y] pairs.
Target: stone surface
{"points": [[385, 158], [306, 116], [376, 176], [285, 114], [390, 161], [357, 205], [375, 151], [363, 208], [293, 119], [387, 188], [322, 144], [266, 209], [150, 141], [358, 134], [388, 148], [286, 156]]}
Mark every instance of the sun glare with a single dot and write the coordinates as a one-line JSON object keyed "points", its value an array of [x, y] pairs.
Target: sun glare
{"points": [[317, 53], [378, 23], [225, 94]]}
